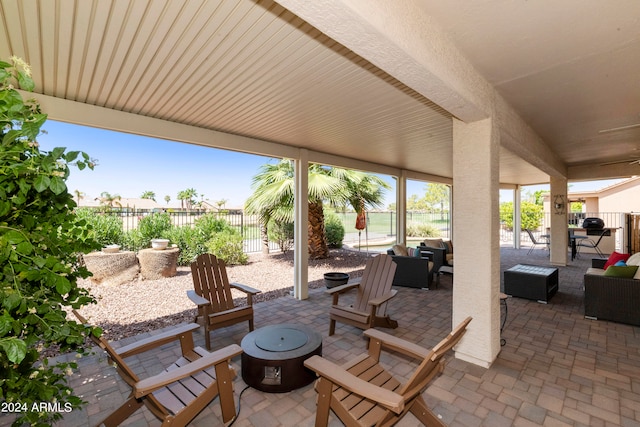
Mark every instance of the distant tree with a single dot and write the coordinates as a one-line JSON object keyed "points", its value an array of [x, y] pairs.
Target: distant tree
{"points": [[576, 206], [437, 194], [187, 198], [167, 198], [392, 207], [79, 196], [537, 197], [220, 203], [416, 204], [110, 200], [150, 195]]}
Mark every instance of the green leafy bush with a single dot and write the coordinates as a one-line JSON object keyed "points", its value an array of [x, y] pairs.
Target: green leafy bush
{"points": [[423, 230], [282, 234], [210, 224], [227, 245], [40, 243], [133, 240], [104, 228], [154, 226], [531, 215], [334, 230], [190, 243]]}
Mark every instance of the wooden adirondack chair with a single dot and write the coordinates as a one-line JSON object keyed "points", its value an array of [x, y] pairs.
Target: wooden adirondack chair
{"points": [[363, 393], [213, 296], [374, 290], [184, 389]]}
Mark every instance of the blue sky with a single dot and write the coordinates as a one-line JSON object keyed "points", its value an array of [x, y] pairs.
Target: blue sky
{"points": [[129, 164]]}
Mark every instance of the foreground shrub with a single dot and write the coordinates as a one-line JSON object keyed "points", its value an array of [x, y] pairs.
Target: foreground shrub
{"points": [[227, 245], [334, 230], [40, 243]]}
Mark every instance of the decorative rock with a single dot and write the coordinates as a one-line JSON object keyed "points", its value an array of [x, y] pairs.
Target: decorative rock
{"points": [[156, 264], [112, 268]]}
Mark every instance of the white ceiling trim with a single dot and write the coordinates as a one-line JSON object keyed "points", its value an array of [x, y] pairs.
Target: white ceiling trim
{"points": [[106, 118]]}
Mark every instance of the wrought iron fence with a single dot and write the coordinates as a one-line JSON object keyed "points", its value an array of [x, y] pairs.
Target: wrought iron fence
{"points": [[247, 225], [380, 225]]}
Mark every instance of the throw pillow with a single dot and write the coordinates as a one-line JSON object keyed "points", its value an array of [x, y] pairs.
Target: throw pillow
{"points": [[634, 259], [615, 257], [620, 264], [400, 250], [626, 272], [415, 252]]}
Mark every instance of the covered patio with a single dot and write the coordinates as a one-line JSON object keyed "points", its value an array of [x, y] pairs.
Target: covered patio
{"points": [[476, 95], [557, 368]]}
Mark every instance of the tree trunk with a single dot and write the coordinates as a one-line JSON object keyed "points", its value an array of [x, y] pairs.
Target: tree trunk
{"points": [[264, 233], [318, 247]]}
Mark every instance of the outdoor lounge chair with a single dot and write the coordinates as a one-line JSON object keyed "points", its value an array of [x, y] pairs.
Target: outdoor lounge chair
{"points": [[184, 389], [363, 393], [535, 242], [593, 244], [213, 297], [374, 290]]}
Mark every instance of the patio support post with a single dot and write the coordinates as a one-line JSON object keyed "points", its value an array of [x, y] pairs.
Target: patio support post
{"points": [[301, 226], [401, 208], [559, 222], [517, 217], [476, 280]]}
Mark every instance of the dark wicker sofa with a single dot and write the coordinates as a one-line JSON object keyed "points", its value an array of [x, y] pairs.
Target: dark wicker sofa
{"points": [[413, 271], [442, 252], [611, 298]]}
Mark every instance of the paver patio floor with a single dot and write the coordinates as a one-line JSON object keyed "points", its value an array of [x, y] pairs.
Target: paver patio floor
{"points": [[556, 369]]}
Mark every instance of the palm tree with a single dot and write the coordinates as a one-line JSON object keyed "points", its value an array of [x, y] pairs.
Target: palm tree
{"points": [[187, 197], [148, 195], [79, 196], [109, 199], [273, 197], [167, 198]]}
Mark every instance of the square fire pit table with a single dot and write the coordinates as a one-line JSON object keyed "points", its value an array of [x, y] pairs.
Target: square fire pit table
{"points": [[531, 282], [273, 357]]}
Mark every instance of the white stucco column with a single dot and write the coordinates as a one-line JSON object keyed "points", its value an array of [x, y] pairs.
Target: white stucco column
{"points": [[558, 221], [401, 208], [476, 279], [301, 226], [517, 217]]}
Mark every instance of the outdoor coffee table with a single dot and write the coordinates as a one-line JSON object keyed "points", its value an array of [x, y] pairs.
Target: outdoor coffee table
{"points": [[531, 282], [273, 357]]}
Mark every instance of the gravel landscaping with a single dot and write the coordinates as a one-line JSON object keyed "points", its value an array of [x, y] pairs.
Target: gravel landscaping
{"points": [[142, 305]]}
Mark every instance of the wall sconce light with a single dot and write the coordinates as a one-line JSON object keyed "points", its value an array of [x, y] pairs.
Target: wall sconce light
{"points": [[559, 204]]}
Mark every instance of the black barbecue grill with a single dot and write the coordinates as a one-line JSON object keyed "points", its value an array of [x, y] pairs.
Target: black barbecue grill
{"points": [[593, 224]]}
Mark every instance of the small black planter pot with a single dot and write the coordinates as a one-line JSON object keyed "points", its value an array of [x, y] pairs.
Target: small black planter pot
{"points": [[331, 280]]}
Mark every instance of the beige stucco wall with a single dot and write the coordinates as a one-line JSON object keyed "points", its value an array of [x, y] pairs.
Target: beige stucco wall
{"points": [[622, 198]]}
